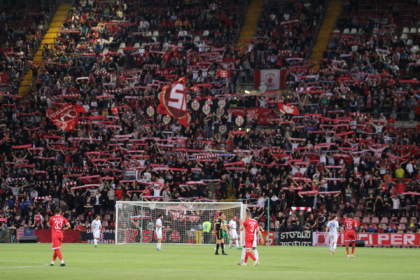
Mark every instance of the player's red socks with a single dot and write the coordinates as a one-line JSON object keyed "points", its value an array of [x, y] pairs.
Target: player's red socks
{"points": [[57, 253], [250, 254]]}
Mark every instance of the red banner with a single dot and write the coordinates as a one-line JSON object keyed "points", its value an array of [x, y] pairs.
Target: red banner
{"points": [[65, 118], [70, 236], [3, 78], [287, 109], [262, 114], [173, 101], [223, 73], [374, 239]]}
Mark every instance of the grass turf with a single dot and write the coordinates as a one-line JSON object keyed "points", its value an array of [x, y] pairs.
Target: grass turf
{"points": [[108, 261]]}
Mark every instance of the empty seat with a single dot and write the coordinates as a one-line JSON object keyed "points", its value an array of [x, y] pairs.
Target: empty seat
{"points": [[413, 30], [418, 30], [206, 33], [401, 227], [353, 31], [384, 220], [409, 42], [406, 30], [137, 45], [353, 201], [346, 31], [366, 220], [360, 207], [403, 220], [358, 213], [122, 45], [104, 223], [148, 34], [404, 36], [375, 220], [197, 39], [107, 217]]}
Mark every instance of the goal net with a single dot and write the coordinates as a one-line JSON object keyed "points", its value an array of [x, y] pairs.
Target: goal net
{"points": [[184, 222]]}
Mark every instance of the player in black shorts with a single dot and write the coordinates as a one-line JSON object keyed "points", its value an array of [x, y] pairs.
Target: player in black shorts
{"points": [[219, 227]]}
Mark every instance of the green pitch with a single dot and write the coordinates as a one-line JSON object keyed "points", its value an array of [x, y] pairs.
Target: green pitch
{"points": [[108, 261]]}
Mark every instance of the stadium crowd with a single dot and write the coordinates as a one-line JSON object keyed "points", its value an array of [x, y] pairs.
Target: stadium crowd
{"points": [[340, 153]]}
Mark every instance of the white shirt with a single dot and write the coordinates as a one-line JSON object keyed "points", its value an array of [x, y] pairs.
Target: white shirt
{"points": [[158, 225], [232, 225], [333, 226], [96, 225]]}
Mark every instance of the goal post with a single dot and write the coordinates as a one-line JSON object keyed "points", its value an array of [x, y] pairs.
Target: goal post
{"points": [[184, 222]]}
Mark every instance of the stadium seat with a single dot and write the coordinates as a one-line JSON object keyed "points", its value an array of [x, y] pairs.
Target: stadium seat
{"points": [[358, 213], [197, 39], [353, 31], [362, 201], [104, 223], [137, 45], [107, 217], [353, 201], [155, 33], [384, 220], [342, 206], [409, 42], [404, 36], [122, 45], [403, 220], [418, 30], [346, 31], [148, 34], [413, 30], [406, 30], [360, 207], [366, 220], [206, 33], [375, 220]]}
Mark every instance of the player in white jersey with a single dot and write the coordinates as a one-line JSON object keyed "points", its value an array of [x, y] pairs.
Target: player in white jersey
{"points": [[96, 227], [159, 228], [332, 230], [233, 233]]}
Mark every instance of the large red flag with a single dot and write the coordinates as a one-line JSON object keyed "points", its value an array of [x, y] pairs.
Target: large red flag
{"points": [[173, 101], [287, 109], [65, 118]]}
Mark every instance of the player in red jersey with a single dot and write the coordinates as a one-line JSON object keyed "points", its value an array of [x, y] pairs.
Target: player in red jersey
{"points": [[350, 236], [58, 223], [251, 230]]}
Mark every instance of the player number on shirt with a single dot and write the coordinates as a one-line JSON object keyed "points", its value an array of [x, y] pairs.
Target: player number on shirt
{"points": [[58, 224]]}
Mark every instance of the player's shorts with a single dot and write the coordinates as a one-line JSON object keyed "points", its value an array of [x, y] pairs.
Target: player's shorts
{"points": [[233, 234], [56, 241], [97, 234], [250, 243], [219, 234], [333, 237], [349, 236], [158, 234]]}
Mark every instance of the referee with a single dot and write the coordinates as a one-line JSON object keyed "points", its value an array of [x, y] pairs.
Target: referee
{"points": [[219, 227]]}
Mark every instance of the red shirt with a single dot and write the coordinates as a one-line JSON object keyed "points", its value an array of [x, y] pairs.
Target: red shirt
{"points": [[250, 228], [57, 223], [350, 225]]}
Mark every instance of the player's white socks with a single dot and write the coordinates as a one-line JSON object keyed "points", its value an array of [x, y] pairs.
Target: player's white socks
{"points": [[158, 246], [243, 254], [334, 246], [256, 254], [237, 243], [62, 261], [230, 243], [331, 246], [52, 262], [95, 241]]}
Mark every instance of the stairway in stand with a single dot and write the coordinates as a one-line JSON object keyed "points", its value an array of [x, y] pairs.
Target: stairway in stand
{"points": [[250, 23], [327, 27], [49, 38]]}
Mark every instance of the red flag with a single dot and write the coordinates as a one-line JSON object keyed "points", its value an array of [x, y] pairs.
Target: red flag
{"points": [[65, 118], [173, 101], [4, 75], [223, 73], [287, 109]]}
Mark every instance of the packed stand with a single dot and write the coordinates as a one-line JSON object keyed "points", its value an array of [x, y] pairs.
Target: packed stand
{"points": [[331, 152], [22, 27]]}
